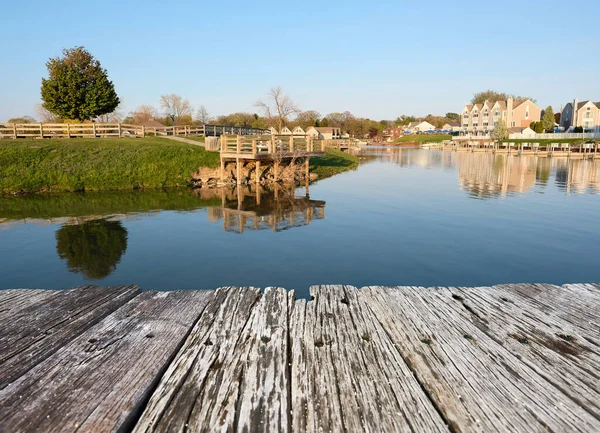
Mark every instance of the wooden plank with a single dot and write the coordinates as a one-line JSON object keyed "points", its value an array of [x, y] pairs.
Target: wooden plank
{"points": [[346, 373], [100, 381], [34, 333], [566, 303], [14, 300], [549, 346], [476, 382], [200, 388]]}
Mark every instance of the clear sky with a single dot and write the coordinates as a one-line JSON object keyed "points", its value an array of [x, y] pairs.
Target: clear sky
{"points": [[377, 59]]}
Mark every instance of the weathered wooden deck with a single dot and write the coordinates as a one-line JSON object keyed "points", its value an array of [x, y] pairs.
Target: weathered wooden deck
{"points": [[506, 358]]}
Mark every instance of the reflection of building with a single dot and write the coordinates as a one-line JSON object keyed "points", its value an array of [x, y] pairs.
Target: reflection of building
{"points": [[243, 209], [576, 176], [489, 175]]}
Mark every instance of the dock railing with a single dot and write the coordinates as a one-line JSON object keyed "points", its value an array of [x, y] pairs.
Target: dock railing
{"points": [[269, 144]]}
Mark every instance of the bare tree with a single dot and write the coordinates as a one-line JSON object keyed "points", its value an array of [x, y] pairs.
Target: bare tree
{"points": [[176, 105], [202, 115], [308, 118], [45, 115], [114, 117], [278, 107], [143, 114]]}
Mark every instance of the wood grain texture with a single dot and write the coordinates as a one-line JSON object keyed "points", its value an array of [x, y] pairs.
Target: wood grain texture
{"points": [[346, 373], [33, 333], [548, 345], [201, 388], [474, 380], [100, 381], [14, 300]]}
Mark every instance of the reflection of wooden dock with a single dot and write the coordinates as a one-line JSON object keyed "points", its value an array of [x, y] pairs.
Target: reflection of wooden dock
{"points": [[508, 358], [256, 209]]}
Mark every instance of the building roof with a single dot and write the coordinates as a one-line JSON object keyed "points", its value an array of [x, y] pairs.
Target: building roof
{"points": [[515, 130], [326, 128]]}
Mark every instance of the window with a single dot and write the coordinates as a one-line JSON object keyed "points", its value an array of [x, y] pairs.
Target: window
{"points": [[497, 113], [527, 113]]}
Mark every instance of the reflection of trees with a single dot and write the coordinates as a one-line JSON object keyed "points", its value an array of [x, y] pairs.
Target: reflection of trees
{"points": [[93, 248]]}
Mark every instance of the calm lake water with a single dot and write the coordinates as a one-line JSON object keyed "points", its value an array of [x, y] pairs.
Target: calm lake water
{"points": [[404, 217]]}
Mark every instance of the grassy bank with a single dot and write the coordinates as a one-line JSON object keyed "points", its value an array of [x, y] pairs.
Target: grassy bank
{"points": [[98, 164], [334, 162], [101, 203], [423, 138]]}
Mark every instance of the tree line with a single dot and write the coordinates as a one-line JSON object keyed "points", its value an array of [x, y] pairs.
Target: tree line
{"points": [[78, 90]]}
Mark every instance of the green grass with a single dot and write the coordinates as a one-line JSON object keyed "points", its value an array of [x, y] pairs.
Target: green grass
{"points": [[98, 164], [194, 138], [334, 162], [101, 203], [423, 138]]}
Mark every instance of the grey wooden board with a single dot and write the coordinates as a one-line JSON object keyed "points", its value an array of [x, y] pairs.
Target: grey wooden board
{"points": [[200, 390], [569, 304], [14, 300], [100, 381], [346, 373], [474, 380], [547, 345], [35, 332]]}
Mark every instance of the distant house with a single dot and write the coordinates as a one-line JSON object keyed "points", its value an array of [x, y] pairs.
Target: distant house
{"points": [[481, 119], [419, 127], [273, 131], [324, 132], [298, 131], [285, 131], [392, 133], [585, 114], [519, 133], [454, 126]]}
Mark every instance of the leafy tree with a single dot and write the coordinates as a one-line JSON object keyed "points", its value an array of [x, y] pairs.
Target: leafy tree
{"points": [[78, 87], [304, 119], [404, 120], [493, 96], [452, 116], [537, 127], [500, 132], [24, 119], [548, 119], [93, 248]]}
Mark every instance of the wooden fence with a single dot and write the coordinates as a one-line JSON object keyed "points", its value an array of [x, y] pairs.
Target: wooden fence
{"points": [[107, 130], [268, 144]]}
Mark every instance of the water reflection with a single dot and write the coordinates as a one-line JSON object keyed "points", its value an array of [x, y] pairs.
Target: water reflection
{"points": [[489, 175], [93, 248], [247, 208]]}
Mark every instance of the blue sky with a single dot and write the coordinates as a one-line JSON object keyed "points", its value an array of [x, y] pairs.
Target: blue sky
{"points": [[377, 59]]}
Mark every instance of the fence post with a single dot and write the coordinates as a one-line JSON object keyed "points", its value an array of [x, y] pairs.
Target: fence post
{"points": [[119, 130], [14, 130], [272, 150], [291, 143], [41, 131], [239, 144], [68, 130], [253, 146], [323, 146], [94, 129]]}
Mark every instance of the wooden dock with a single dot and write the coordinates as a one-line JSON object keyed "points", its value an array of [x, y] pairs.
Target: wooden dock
{"points": [[520, 358]]}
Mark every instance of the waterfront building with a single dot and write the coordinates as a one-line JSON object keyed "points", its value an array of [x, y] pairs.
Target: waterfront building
{"points": [[585, 114], [481, 119]]}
